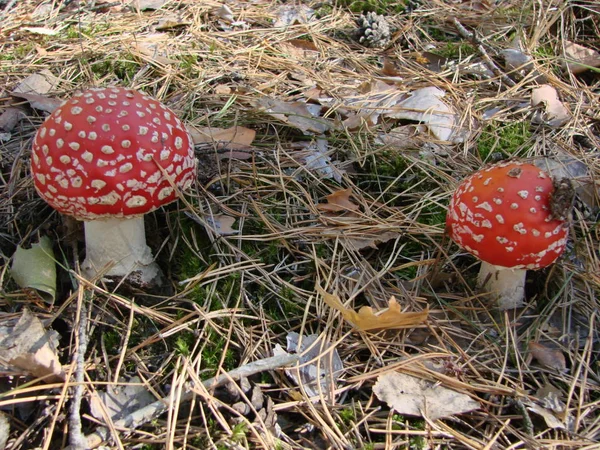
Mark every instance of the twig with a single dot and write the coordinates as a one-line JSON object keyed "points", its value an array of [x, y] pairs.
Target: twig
{"points": [[76, 437], [155, 409], [481, 49]]}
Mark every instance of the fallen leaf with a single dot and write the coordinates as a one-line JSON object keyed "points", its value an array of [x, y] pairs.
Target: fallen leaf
{"points": [[425, 105], [418, 397], [365, 319], [318, 365], [119, 400], [143, 5], [552, 358], [297, 114], [367, 242], [38, 83], [554, 113], [39, 102], [41, 30], [35, 268], [222, 224], [579, 58], [29, 347], [153, 48], [10, 117], [225, 13], [317, 160], [291, 14], [339, 201], [236, 137], [551, 420], [170, 23], [4, 430]]}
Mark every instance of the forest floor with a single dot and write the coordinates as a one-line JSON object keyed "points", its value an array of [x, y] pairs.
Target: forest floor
{"points": [[329, 144]]}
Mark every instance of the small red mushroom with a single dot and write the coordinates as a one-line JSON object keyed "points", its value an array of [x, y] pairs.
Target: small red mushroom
{"points": [[502, 215], [108, 156]]}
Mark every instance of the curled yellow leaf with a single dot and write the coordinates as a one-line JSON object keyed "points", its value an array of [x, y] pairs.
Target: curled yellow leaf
{"points": [[365, 319]]}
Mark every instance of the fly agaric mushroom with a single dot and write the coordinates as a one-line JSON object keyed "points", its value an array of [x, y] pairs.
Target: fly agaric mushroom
{"points": [[502, 215], [108, 156]]}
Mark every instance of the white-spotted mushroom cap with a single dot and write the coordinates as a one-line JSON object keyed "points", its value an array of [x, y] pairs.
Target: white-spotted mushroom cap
{"points": [[111, 152], [501, 214]]}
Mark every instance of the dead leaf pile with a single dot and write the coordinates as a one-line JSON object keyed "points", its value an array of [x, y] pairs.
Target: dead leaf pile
{"points": [[365, 319]]}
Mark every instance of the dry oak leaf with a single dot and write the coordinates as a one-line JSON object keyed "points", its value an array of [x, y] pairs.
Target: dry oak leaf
{"points": [[339, 201], [365, 319], [552, 358], [554, 112], [579, 58], [414, 396], [235, 137]]}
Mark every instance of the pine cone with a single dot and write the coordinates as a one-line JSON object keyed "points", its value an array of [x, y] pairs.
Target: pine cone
{"points": [[373, 30]]}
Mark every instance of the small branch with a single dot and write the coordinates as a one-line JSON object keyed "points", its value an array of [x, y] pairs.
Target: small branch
{"points": [[76, 437], [483, 52], [155, 409]]}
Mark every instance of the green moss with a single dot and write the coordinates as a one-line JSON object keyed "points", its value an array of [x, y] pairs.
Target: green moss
{"points": [[506, 139], [348, 415], [112, 339], [184, 343], [124, 67], [76, 31], [454, 50], [384, 7], [212, 353]]}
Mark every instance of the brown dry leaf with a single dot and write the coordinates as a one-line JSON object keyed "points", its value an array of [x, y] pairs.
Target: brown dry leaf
{"points": [[143, 5], [10, 117], [121, 399], [555, 113], [414, 396], [236, 137], [37, 83], [39, 102], [300, 115], [29, 347], [368, 242], [551, 358], [579, 58], [153, 48], [222, 224], [339, 201], [365, 319], [291, 14]]}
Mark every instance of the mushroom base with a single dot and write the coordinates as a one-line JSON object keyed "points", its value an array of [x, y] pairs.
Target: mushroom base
{"points": [[505, 286], [117, 247]]}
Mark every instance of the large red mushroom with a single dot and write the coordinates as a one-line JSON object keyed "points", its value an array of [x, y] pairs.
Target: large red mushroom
{"points": [[502, 215], [108, 156]]}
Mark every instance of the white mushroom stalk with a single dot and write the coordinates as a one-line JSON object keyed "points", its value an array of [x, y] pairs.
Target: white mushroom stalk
{"points": [[117, 247], [505, 286]]}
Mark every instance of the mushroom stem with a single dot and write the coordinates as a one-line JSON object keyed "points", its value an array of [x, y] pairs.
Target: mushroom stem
{"points": [[505, 286], [120, 244]]}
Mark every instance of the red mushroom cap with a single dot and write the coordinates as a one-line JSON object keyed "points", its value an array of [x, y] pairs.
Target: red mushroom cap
{"points": [[501, 214], [111, 152]]}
